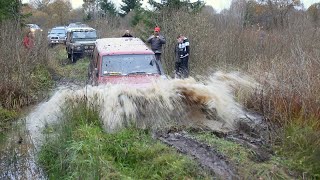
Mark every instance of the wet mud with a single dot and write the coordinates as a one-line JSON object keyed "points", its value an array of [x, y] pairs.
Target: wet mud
{"points": [[208, 157]]}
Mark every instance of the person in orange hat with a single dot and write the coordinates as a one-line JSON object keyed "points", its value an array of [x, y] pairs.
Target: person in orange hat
{"points": [[156, 40]]}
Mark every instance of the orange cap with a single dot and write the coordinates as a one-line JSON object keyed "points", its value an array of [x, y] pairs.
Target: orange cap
{"points": [[157, 29]]}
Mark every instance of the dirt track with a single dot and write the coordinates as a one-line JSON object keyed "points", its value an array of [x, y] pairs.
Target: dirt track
{"points": [[207, 156]]}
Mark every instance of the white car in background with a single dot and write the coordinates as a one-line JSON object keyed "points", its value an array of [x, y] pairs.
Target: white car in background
{"points": [[34, 27], [57, 35]]}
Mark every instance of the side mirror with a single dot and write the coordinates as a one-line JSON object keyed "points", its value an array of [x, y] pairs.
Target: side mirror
{"points": [[96, 72]]}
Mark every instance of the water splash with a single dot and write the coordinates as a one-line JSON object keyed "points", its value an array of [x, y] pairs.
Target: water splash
{"points": [[206, 103]]}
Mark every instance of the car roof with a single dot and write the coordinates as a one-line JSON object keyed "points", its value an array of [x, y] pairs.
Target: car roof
{"points": [[122, 46], [59, 27], [32, 25], [80, 29]]}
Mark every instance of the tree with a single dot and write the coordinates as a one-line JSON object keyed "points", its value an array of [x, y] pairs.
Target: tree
{"points": [[279, 10], [129, 5], [177, 4], [270, 13], [107, 7], [59, 10], [10, 9], [314, 13], [40, 4], [90, 8]]}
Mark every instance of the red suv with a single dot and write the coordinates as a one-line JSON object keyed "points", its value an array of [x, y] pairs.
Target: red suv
{"points": [[123, 61]]}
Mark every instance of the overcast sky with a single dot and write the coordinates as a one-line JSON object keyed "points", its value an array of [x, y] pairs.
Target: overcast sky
{"points": [[216, 4]]}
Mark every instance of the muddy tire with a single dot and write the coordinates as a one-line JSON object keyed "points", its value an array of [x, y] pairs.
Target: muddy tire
{"points": [[90, 79], [73, 58]]}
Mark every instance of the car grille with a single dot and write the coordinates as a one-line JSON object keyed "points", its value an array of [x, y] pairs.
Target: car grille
{"points": [[54, 38], [88, 47]]}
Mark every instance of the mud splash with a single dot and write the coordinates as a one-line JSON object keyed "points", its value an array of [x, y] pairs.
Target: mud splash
{"points": [[207, 103]]}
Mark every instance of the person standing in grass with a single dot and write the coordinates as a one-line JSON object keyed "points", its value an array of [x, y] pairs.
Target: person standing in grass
{"points": [[156, 40], [28, 40], [182, 51]]}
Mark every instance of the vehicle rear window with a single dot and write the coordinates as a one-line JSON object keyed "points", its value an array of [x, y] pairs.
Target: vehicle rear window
{"points": [[125, 64]]}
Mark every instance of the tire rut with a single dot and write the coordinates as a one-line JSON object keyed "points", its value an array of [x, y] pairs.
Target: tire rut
{"points": [[207, 156]]}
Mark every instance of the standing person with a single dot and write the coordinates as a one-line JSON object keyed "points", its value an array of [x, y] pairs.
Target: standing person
{"points": [[178, 58], [127, 34], [182, 53], [156, 40], [28, 40]]}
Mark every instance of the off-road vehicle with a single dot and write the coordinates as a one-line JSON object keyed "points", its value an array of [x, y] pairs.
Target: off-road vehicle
{"points": [[80, 41], [57, 35], [123, 61]]}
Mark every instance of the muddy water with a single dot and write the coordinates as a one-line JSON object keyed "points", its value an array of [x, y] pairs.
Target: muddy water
{"points": [[18, 155], [207, 103], [164, 103]]}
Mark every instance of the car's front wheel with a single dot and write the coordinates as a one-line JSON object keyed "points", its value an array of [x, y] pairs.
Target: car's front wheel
{"points": [[73, 57]]}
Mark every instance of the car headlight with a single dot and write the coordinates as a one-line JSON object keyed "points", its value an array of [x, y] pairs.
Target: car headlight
{"points": [[32, 30], [78, 47]]}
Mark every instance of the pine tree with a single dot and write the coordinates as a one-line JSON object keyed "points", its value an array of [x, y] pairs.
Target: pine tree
{"points": [[108, 7], [10, 9], [130, 5]]}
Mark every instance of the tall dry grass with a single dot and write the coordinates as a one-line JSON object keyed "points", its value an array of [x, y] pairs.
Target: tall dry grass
{"points": [[22, 71], [285, 61]]}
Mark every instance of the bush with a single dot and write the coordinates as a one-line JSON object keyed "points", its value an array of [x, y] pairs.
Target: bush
{"points": [[23, 72]]}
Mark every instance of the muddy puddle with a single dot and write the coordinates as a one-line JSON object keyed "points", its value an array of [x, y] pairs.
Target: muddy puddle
{"points": [[18, 155], [207, 104]]}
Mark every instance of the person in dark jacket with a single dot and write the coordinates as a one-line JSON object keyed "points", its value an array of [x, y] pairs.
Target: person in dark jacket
{"points": [[182, 51], [127, 34], [156, 40]]}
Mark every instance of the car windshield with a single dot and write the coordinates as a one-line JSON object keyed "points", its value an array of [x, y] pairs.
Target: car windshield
{"points": [[57, 31], [34, 26], [84, 35], [127, 64]]}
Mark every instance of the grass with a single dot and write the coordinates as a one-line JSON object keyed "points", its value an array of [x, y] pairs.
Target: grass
{"points": [[80, 148], [41, 79], [6, 116], [240, 157], [301, 146], [63, 67]]}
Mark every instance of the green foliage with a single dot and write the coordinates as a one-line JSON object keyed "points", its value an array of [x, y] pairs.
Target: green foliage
{"points": [[9, 9], [177, 4], [64, 69], [6, 116], [129, 5], [80, 148], [108, 7], [301, 145], [41, 78]]}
